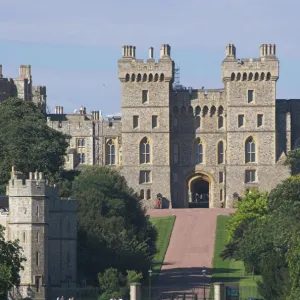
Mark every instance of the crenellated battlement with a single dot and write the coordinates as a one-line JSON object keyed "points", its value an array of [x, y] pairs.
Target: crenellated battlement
{"points": [[265, 68], [139, 70]]}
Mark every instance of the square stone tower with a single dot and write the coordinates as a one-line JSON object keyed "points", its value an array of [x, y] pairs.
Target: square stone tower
{"points": [[28, 222], [251, 122], [146, 93]]}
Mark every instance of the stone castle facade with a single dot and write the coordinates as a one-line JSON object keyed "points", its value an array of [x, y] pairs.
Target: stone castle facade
{"points": [[195, 147], [47, 231]]}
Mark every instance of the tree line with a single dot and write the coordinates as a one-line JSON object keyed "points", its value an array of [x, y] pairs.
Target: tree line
{"points": [[116, 241], [264, 234]]}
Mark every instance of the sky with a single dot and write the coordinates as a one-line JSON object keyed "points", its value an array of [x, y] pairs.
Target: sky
{"points": [[73, 45]]}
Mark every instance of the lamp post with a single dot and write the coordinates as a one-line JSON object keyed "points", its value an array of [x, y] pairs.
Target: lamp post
{"points": [[204, 285], [150, 274]]}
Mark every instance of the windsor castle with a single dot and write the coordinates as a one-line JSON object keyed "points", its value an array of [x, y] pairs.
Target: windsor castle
{"points": [[192, 147]]}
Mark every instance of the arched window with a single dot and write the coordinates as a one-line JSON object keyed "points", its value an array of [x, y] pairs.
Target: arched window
{"points": [[190, 111], [156, 77], [162, 77], [83, 158], [232, 76], [262, 76], [150, 77], [79, 143], [256, 76], [220, 152], [148, 194], [244, 76], [220, 110], [132, 77], [127, 77], [37, 258], [205, 111], [176, 153], [145, 151], [268, 76], [212, 110], [220, 122], [238, 77], [110, 152], [139, 77], [145, 77], [250, 150], [198, 110], [198, 151], [250, 76]]}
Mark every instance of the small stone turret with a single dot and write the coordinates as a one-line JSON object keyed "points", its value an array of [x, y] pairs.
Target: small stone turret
{"points": [[230, 51], [267, 50], [25, 72], [128, 51]]}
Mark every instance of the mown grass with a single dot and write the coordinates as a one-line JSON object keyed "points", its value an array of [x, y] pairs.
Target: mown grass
{"points": [[231, 271]]}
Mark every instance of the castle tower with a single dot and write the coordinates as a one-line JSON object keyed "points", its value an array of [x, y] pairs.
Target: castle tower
{"points": [[28, 222], [146, 88], [251, 128]]}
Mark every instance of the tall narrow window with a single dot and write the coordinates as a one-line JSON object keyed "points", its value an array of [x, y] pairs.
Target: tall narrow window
{"points": [[37, 237], [250, 150], [24, 237], [154, 121], [250, 176], [135, 122], [83, 158], [250, 96], [79, 143], [241, 120], [142, 194], [83, 142], [37, 258], [148, 194], [37, 210], [37, 284], [145, 177], [220, 122], [110, 152], [145, 151], [220, 152], [176, 154], [260, 120], [221, 177], [145, 95], [175, 122], [198, 151], [221, 195]]}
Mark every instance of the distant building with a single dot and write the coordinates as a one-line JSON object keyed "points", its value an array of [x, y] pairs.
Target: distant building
{"points": [[46, 228]]}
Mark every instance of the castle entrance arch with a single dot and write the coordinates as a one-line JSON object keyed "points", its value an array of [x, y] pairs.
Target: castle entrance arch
{"points": [[199, 189]]}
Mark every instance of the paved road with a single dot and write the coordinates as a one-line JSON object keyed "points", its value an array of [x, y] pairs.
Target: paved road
{"points": [[191, 248]]}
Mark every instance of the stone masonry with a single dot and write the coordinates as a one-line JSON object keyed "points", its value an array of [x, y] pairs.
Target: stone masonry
{"points": [[47, 231], [195, 147]]}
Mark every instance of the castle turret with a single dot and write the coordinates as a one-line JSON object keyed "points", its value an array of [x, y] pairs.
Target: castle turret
{"points": [[146, 93], [28, 222]]}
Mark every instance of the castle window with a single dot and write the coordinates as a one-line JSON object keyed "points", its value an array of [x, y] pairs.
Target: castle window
{"points": [[212, 110], [82, 158], [250, 76], [145, 77], [256, 76], [135, 122], [145, 177], [176, 153], [262, 76], [37, 237], [205, 111], [162, 77], [110, 153], [142, 194], [221, 195], [244, 76], [37, 283], [110, 124], [127, 77], [145, 95], [148, 194], [133, 77], [37, 258], [154, 121], [37, 210], [198, 110], [156, 77], [238, 77], [241, 120], [150, 77], [175, 123], [232, 76], [220, 122], [250, 150], [220, 152], [24, 237], [145, 151], [190, 111], [260, 120], [198, 122], [221, 177], [198, 151], [83, 142], [268, 76], [250, 176], [139, 77], [250, 96]]}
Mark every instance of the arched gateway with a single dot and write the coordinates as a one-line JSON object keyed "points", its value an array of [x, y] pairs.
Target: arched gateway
{"points": [[199, 190]]}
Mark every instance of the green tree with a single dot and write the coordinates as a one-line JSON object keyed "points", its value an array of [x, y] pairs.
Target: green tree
{"points": [[11, 259], [293, 161], [134, 277], [28, 142], [113, 228]]}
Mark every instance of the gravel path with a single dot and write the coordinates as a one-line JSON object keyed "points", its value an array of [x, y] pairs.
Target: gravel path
{"points": [[191, 248]]}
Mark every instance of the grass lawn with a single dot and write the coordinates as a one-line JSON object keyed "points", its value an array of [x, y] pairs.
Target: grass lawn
{"points": [[164, 227], [231, 271]]}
